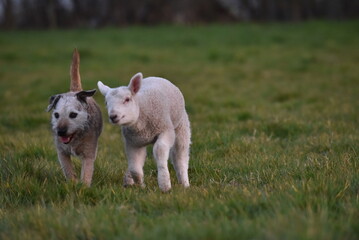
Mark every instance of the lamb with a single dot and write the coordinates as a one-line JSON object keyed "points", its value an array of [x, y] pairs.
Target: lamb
{"points": [[151, 111]]}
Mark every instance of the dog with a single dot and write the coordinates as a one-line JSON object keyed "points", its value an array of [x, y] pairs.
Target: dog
{"points": [[76, 125]]}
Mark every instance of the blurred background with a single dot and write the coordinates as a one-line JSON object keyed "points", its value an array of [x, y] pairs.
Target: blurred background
{"points": [[44, 14], [273, 110]]}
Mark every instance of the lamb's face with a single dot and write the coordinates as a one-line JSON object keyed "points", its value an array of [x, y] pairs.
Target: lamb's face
{"points": [[121, 102], [121, 106]]}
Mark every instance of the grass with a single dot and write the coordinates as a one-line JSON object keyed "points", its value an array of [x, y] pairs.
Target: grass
{"points": [[274, 116]]}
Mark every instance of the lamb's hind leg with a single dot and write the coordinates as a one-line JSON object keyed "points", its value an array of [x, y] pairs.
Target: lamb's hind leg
{"points": [[161, 151], [136, 159], [180, 152]]}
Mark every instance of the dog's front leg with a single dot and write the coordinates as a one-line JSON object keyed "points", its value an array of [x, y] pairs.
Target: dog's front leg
{"points": [[87, 170], [66, 165]]}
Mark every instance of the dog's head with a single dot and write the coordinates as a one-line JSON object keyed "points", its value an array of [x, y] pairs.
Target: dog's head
{"points": [[121, 102], [69, 114]]}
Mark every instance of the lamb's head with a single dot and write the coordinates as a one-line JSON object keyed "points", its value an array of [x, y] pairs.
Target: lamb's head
{"points": [[69, 116], [121, 102]]}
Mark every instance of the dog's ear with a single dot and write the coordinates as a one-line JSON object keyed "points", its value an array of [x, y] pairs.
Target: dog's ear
{"points": [[103, 88], [53, 101], [81, 96]]}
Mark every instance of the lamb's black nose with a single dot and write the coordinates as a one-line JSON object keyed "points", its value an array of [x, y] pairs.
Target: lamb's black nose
{"points": [[62, 132], [113, 118]]}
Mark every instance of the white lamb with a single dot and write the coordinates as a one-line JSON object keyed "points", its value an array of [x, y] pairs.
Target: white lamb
{"points": [[151, 111]]}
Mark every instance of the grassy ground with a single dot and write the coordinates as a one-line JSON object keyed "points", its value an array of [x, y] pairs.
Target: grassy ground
{"points": [[275, 122]]}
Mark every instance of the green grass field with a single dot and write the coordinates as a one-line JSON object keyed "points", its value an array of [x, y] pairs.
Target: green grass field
{"points": [[275, 132]]}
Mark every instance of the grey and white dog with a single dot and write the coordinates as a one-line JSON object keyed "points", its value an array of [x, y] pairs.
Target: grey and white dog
{"points": [[76, 125]]}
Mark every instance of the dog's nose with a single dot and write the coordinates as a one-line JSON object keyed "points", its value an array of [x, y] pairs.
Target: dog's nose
{"points": [[113, 118], [62, 132]]}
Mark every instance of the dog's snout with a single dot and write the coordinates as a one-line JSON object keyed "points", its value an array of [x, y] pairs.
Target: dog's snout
{"points": [[62, 132], [113, 117]]}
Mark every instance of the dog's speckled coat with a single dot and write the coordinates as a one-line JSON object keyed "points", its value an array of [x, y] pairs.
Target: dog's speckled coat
{"points": [[76, 125]]}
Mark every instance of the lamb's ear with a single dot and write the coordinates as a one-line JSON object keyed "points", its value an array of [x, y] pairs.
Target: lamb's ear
{"points": [[103, 88], [52, 102], [81, 96], [135, 83]]}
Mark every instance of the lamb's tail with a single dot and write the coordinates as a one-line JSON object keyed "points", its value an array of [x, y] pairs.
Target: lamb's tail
{"points": [[75, 84]]}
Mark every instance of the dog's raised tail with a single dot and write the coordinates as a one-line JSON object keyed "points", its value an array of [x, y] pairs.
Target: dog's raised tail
{"points": [[75, 84]]}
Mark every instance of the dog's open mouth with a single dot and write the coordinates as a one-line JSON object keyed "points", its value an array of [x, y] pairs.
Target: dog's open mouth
{"points": [[65, 139]]}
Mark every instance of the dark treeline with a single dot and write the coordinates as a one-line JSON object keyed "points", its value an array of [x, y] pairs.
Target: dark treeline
{"points": [[99, 13]]}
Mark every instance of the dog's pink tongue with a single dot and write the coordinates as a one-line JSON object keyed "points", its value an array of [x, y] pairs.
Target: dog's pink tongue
{"points": [[65, 139]]}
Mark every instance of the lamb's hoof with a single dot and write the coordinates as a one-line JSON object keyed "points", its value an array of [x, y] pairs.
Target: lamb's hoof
{"points": [[165, 187], [166, 190], [126, 185], [128, 181]]}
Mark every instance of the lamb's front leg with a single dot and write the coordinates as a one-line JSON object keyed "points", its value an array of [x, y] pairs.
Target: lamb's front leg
{"points": [[136, 157], [161, 151]]}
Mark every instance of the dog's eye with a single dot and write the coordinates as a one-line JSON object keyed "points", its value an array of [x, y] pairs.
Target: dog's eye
{"points": [[57, 115], [127, 100], [73, 115]]}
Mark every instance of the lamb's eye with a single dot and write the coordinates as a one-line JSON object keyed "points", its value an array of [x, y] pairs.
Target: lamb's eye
{"points": [[73, 115], [57, 115], [127, 100]]}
